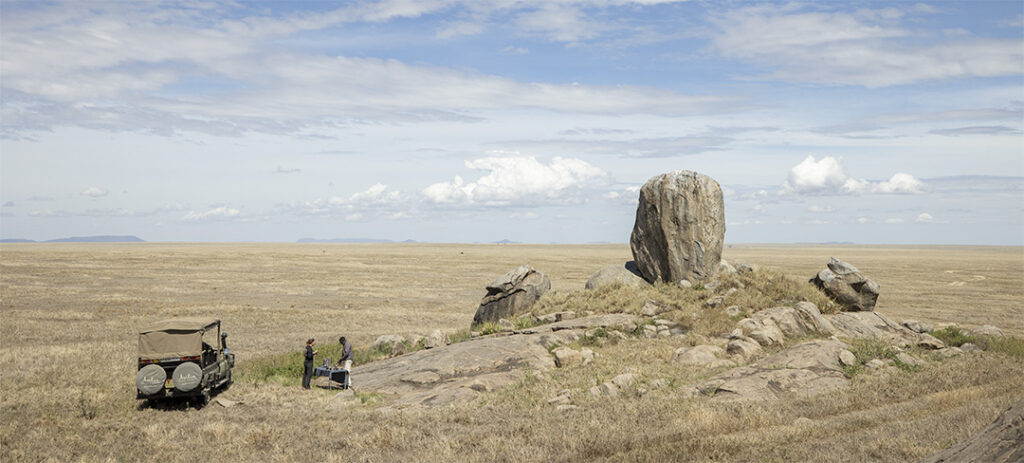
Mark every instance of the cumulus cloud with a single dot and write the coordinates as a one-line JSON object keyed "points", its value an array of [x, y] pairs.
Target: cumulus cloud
{"points": [[827, 177], [378, 199], [518, 180], [215, 214], [94, 192], [924, 217]]}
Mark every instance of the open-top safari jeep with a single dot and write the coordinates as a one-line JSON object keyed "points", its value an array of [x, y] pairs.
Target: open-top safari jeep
{"points": [[183, 358]]}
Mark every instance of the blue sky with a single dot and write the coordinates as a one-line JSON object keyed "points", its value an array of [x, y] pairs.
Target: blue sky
{"points": [[535, 121]]}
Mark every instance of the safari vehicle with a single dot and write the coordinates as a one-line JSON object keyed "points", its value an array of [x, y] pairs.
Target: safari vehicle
{"points": [[183, 358]]}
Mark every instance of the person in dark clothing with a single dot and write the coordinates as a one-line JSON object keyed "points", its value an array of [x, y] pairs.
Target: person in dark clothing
{"points": [[346, 360], [307, 374]]}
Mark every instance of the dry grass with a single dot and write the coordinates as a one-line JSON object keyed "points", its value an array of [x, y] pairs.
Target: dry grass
{"points": [[70, 313]]}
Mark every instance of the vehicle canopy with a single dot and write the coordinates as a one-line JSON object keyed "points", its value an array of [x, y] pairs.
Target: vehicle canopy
{"points": [[175, 337]]}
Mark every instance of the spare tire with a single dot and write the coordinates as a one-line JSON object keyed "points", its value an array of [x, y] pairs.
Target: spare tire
{"points": [[187, 376], [150, 379]]}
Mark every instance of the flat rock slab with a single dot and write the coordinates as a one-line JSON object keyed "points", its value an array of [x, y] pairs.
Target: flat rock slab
{"points": [[805, 369], [461, 371], [872, 325]]}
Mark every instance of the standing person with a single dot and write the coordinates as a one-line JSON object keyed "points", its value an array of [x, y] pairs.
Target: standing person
{"points": [[346, 360], [307, 374]]}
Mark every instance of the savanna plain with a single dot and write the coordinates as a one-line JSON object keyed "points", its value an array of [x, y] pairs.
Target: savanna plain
{"points": [[70, 313]]}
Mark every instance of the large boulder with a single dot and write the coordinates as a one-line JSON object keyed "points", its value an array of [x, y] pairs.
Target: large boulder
{"points": [[511, 294], [621, 275], [679, 228], [844, 283]]}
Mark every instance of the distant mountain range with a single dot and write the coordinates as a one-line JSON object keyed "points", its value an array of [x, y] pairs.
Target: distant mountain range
{"points": [[82, 239], [348, 240]]}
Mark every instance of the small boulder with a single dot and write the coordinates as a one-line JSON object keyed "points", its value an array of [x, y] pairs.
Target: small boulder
{"points": [[734, 311], [624, 381], [875, 364], [587, 355], [908, 359], [605, 389], [511, 294], [969, 347], [506, 325], [928, 341], [949, 352], [556, 317], [764, 330], [742, 268], [566, 357], [650, 331], [563, 398], [847, 358], [617, 275], [436, 339], [724, 268], [702, 355], [652, 308], [715, 302], [685, 284], [917, 326], [388, 341], [844, 283], [744, 348], [987, 330]]}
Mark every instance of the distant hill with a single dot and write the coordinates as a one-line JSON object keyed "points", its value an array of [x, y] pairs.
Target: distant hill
{"points": [[343, 240], [99, 239], [506, 241], [82, 239]]}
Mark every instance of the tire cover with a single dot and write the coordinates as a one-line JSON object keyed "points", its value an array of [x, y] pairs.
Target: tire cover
{"points": [[150, 379], [187, 376]]}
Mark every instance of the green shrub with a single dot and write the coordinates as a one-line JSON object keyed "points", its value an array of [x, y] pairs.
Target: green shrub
{"points": [[488, 328], [953, 336]]}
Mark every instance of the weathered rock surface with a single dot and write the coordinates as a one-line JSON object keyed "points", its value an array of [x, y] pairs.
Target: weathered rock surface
{"points": [[871, 325], [566, 357], [1001, 442], [917, 326], [511, 294], [844, 283], [679, 228], [462, 371], [702, 356], [617, 275], [388, 341], [436, 339], [928, 341], [806, 369], [987, 330]]}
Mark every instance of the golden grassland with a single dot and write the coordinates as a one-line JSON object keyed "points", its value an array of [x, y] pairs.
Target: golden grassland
{"points": [[70, 314]]}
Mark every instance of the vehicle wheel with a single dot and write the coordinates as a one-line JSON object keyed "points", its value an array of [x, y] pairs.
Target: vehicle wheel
{"points": [[204, 399], [150, 379], [187, 376]]}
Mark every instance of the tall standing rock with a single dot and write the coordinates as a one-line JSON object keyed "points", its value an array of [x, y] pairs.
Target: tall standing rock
{"points": [[512, 293], [680, 227]]}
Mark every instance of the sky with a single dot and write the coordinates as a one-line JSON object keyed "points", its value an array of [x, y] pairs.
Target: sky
{"points": [[532, 121]]}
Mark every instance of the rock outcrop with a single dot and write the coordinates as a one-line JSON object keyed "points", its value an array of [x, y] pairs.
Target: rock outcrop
{"points": [[511, 294], [1002, 441], [621, 275], [844, 283], [679, 228]]}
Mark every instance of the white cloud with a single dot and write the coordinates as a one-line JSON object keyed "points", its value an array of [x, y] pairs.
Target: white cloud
{"points": [[820, 208], [924, 217], [900, 183], [867, 47], [217, 213], [518, 180], [94, 192], [827, 177]]}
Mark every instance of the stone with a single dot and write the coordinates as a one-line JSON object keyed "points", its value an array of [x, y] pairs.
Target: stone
{"points": [[724, 268], [917, 326], [562, 399], [847, 358], [414, 340], [869, 325], [969, 347], [617, 335], [506, 325], [617, 275], [511, 294], [684, 284], [605, 389], [745, 348], [806, 369], [987, 330], [436, 339], [679, 228], [763, 330], [566, 408], [712, 285], [650, 331], [702, 356], [652, 308], [567, 357], [742, 268], [715, 302], [847, 286], [556, 317], [387, 341], [1001, 441], [949, 352], [875, 364], [587, 355], [659, 383], [734, 311], [624, 381], [908, 359], [928, 341]]}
